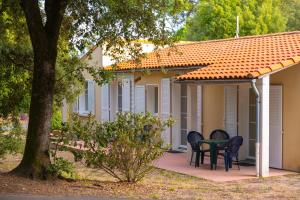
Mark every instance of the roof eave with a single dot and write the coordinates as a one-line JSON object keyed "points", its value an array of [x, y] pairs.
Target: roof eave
{"points": [[157, 69], [214, 81]]}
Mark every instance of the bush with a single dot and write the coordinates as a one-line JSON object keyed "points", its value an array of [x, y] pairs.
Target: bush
{"points": [[56, 121], [62, 168], [11, 137], [124, 148]]}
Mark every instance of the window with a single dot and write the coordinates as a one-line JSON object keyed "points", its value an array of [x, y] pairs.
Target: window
{"points": [[86, 100], [120, 97], [152, 99]]}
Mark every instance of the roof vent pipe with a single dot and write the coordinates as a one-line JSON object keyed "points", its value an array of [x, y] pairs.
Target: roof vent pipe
{"points": [[257, 145], [237, 32]]}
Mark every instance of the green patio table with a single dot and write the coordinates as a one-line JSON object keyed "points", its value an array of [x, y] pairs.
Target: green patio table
{"points": [[213, 151]]}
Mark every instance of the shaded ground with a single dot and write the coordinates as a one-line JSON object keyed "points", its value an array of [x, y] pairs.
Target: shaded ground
{"points": [[160, 184], [34, 197]]}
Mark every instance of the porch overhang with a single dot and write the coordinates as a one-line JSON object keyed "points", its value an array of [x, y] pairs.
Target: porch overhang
{"points": [[262, 114]]}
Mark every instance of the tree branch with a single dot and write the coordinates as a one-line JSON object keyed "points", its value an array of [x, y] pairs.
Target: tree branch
{"points": [[35, 25], [55, 10], [3, 6]]}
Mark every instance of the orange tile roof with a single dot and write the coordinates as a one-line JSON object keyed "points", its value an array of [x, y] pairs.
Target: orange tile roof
{"points": [[237, 58]]}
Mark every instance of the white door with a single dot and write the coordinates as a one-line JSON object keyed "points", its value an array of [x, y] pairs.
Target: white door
{"points": [[276, 126], [165, 107], [231, 124], [140, 99], [105, 102]]}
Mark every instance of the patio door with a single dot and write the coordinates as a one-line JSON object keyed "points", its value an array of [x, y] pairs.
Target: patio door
{"points": [[276, 126]]}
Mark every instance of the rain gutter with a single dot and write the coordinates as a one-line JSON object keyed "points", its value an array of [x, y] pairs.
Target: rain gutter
{"points": [[257, 145]]}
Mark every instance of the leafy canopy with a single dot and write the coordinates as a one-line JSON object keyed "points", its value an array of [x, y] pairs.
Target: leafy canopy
{"points": [[16, 63], [216, 19], [111, 24], [291, 9]]}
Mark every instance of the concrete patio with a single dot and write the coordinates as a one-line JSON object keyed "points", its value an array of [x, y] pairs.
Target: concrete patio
{"points": [[179, 163]]}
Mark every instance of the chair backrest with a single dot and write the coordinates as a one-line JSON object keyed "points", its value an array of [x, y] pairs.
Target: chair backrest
{"points": [[194, 138], [219, 135], [234, 145]]}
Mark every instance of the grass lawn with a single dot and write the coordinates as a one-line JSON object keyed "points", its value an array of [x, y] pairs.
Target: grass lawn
{"points": [[160, 184]]}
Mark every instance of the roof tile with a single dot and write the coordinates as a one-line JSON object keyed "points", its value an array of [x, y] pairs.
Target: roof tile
{"points": [[244, 57]]}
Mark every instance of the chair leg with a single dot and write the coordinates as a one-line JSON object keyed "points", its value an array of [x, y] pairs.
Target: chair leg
{"points": [[226, 161], [202, 157], [192, 157], [238, 162], [197, 158], [217, 158], [230, 162]]}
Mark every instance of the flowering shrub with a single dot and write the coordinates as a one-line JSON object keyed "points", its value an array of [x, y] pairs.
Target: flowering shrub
{"points": [[124, 148]]}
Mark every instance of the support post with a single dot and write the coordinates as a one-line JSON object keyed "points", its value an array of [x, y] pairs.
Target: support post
{"points": [[264, 126]]}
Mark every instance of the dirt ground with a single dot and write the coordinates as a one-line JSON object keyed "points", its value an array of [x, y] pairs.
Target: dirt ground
{"points": [[160, 184]]}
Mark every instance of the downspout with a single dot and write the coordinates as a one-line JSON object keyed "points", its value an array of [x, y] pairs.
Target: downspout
{"points": [[257, 145]]}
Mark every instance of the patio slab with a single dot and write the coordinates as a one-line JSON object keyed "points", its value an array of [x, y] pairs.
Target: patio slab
{"points": [[179, 163]]}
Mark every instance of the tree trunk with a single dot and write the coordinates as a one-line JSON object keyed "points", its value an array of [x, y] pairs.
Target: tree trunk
{"points": [[44, 39], [36, 157]]}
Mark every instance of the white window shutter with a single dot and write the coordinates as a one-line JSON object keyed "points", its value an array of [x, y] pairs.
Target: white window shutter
{"points": [[140, 99], [126, 95], [75, 105], [276, 126], [165, 107], [132, 96], [91, 97], [231, 124], [105, 102], [199, 108]]}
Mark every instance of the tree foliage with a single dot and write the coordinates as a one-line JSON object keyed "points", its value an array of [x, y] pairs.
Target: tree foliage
{"points": [[217, 19], [16, 63], [291, 9]]}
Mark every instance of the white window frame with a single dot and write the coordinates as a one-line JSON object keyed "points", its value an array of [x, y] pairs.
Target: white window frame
{"points": [[83, 101]]}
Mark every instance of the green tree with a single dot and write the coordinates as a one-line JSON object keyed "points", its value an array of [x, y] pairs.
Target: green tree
{"points": [[16, 64], [291, 9], [216, 19], [113, 23]]}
